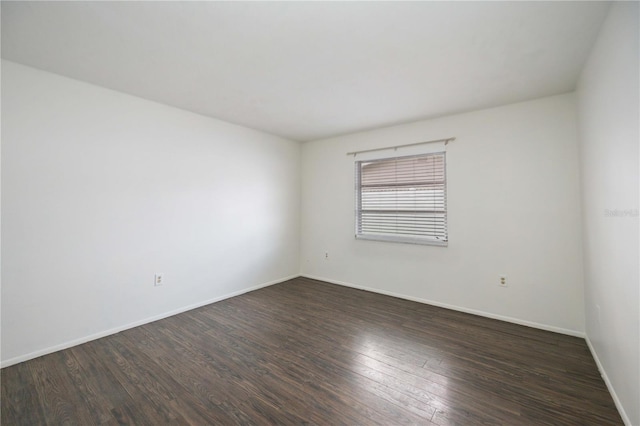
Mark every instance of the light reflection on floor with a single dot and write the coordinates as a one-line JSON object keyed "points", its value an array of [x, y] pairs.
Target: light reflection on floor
{"points": [[399, 362]]}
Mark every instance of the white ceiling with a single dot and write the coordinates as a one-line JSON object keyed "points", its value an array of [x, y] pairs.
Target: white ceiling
{"points": [[309, 70]]}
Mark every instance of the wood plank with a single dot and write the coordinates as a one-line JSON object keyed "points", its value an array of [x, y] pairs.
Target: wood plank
{"points": [[20, 396], [58, 396]]}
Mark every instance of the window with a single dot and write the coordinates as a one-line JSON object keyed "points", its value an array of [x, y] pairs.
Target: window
{"points": [[402, 199]]}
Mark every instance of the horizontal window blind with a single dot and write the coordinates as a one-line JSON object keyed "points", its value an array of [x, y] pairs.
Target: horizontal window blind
{"points": [[402, 199]]}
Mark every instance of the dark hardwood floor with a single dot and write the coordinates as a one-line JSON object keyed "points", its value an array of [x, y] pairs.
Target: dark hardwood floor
{"points": [[308, 352]]}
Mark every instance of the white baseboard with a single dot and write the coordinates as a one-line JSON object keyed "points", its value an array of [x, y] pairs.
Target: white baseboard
{"points": [[612, 391], [95, 336], [574, 333]]}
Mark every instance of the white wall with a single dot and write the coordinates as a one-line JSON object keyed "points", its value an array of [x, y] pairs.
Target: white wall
{"points": [[608, 110], [514, 209], [100, 190]]}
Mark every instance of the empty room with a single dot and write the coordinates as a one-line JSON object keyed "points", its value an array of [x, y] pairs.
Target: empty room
{"points": [[356, 213]]}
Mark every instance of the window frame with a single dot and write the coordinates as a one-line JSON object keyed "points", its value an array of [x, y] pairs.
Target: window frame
{"points": [[398, 238]]}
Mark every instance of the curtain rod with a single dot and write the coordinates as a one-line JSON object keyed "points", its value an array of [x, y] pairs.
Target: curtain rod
{"points": [[446, 141]]}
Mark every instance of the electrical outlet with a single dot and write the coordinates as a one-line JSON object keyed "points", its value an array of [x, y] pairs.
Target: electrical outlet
{"points": [[159, 280], [503, 281], [326, 255]]}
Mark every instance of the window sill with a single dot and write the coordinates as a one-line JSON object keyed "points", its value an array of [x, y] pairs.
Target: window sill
{"points": [[402, 240]]}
